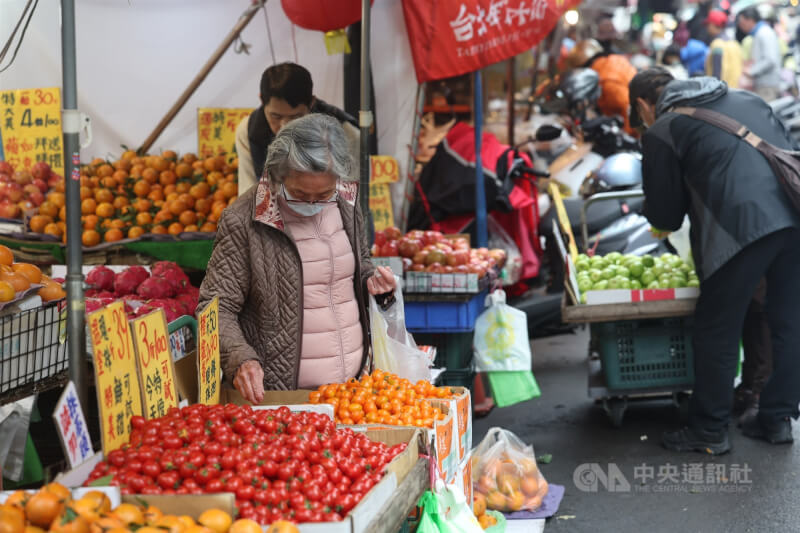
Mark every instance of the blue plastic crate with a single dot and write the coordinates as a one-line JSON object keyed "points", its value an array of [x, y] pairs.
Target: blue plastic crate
{"points": [[444, 317]]}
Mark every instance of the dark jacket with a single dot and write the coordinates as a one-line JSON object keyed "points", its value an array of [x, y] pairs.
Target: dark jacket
{"points": [[724, 184]]}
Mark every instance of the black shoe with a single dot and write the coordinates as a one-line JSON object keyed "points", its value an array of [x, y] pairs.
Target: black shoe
{"points": [[696, 440], [779, 432]]}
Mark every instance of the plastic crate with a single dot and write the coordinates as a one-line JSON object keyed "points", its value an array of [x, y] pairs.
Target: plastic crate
{"points": [[645, 353], [33, 357], [444, 316], [453, 350]]}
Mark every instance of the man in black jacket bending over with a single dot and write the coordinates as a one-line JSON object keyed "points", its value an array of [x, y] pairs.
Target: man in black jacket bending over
{"points": [[743, 228]]}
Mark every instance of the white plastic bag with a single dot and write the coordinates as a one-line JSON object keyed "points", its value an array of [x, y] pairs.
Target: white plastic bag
{"points": [[499, 238], [393, 347], [455, 513], [501, 337]]}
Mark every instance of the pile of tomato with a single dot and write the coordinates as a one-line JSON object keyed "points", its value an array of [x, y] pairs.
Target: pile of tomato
{"points": [[280, 465], [383, 398]]}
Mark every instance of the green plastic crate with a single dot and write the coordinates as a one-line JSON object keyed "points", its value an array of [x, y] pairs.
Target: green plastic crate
{"points": [[453, 350], [645, 354]]}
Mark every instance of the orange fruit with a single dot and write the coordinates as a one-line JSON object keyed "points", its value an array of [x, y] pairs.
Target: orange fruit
{"points": [[121, 201], [37, 223], [208, 227], [62, 214], [177, 206], [162, 216], [53, 229], [214, 178], [191, 227], [167, 177], [43, 508], [106, 524], [68, 523], [216, 520], [18, 499], [156, 195], [244, 525], [189, 158], [282, 526], [187, 218], [144, 218], [142, 205], [31, 272], [183, 170], [200, 190], [90, 238], [159, 230], [171, 196], [479, 504], [101, 501], [141, 188], [88, 206], [159, 163], [169, 189], [136, 171], [104, 170], [18, 281], [128, 514], [86, 192], [230, 189], [170, 523], [90, 221], [120, 176], [103, 195], [48, 209], [7, 292], [105, 210], [59, 199], [6, 257], [108, 182], [113, 235], [12, 519], [202, 206], [175, 228], [117, 223], [150, 175], [530, 485], [183, 187], [135, 232]]}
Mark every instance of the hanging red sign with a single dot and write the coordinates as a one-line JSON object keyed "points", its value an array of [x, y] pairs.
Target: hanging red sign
{"points": [[453, 37]]}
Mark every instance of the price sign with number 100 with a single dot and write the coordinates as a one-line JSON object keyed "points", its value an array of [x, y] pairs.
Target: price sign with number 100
{"points": [[154, 361], [208, 362]]}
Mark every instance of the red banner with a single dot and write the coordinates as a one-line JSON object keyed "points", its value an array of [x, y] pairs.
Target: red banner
{"points": [[453, 37]]}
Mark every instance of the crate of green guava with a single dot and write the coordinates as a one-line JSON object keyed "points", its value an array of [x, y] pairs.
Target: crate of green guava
{"points": [[617, 278]]}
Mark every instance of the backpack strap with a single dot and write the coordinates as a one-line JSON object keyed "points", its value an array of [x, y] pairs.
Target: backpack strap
{"points": [[723, 122]]}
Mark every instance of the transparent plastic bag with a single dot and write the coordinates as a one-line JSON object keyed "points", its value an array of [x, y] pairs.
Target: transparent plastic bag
{"points": [[501, 337], [505, 473], [393, 347], [499, 238]]}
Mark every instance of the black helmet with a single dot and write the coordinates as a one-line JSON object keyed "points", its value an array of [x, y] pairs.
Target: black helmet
{"points": [[577, 90], [619, 171]]}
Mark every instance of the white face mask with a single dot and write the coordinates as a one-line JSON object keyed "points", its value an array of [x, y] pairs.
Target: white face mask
{"points": [[304, 209]]}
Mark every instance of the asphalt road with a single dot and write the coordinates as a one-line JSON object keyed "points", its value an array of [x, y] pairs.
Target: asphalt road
{"points": [[755, 488]]}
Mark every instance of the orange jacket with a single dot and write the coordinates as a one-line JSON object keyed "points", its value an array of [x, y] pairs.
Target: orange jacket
{"points": [[615, 72]]}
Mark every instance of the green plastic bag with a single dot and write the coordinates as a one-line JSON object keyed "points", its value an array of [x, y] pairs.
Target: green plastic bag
{"points": [[446, 511], [500, 526], [509, 388], [430, 507]]}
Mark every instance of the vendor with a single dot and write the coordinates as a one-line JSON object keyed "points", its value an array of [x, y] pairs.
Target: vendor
{"points": [[292, 271], [286, 94]]}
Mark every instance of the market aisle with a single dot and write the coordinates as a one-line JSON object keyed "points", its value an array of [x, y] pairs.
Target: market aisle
{"points": [[565, 423]]}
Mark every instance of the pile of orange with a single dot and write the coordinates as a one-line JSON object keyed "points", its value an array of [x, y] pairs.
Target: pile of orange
{"points": [[53, 509], [486, 520], [137, 195], [18, 277], [383, 398], [504, 483]]}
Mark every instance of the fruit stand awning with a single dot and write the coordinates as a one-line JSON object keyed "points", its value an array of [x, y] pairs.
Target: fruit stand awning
{"points": [[453, 37]]}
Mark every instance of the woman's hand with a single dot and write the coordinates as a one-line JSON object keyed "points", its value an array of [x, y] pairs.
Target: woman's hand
{"points": [[382, 281], [249, 381]]}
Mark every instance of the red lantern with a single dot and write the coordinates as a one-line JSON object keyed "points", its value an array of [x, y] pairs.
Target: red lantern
{"points": [[323, 15]]}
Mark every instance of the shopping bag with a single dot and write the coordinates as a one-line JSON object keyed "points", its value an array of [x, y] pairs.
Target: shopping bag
{"points": [[393, 347], [505, 473], [453, 514], [509, 388], [501, 337]]}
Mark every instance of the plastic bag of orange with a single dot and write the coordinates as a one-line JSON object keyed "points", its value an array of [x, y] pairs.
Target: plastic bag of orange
{"points": [[505, 472]]}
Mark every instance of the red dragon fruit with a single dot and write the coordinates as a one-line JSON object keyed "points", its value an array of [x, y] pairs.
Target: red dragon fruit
{"points": [[169, 306], [127, 281], [189, 300], [101, 278], [155, 288], [173, 274]]}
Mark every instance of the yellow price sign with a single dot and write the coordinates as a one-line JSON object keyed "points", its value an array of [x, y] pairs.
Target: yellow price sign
{"points": [[208, 364], [383, 169], [118, 396], [216, 130], [154, 361], [380, 204], [30, 123], [563, 219]]}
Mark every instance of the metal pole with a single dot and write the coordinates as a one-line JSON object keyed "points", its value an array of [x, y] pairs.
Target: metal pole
{"points": [[71, 125], [412, 157], [365, 114], [480, 185], [511, 80]]}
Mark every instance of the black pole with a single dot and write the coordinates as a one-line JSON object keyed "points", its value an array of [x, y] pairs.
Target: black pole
{"points": [[365, 114], [71, 125]]}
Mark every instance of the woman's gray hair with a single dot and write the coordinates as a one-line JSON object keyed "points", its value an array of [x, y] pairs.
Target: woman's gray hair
{"points": [[314, 143]]}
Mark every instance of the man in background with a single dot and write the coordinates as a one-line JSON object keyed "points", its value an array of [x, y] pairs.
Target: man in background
{"points": [[724, 59], [765, 53], [286, 93]]}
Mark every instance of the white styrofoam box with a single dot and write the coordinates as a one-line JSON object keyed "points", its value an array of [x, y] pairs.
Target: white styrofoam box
{"points": [[60, 271], [322, 408], [613, 296]]}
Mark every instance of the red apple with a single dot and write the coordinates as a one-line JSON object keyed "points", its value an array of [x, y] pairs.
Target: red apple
{"points": [[9, 210], [6, 168], [14, 192], [443, 246], [380, 238], [41, 184], [392, 233], [36, 197], [40, 170], [23, 177], [458, 257], [415, 234], [435, 256], [460, 243], [408, 247], [462, 269], [5, 178], [435, 267], [389, 249], [432, 237], [419, 257], [418, 267]]}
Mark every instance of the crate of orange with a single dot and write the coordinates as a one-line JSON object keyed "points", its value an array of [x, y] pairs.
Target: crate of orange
{"points": [[138, 196], [383, 399], [505, 474]]}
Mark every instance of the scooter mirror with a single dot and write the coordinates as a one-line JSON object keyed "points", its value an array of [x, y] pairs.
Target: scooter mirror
{"points": [[548, 132]]}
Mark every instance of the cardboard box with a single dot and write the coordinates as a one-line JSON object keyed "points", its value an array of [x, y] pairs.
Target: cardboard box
{"points": [[463, 478], [186, 377], [461, 406]]}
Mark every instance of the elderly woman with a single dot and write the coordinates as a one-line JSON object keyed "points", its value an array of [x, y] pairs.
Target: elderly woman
{"points": [[291, 268]]}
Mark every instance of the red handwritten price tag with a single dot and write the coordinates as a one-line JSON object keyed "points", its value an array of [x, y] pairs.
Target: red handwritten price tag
{"points": [[154, 361], [208, 363]]}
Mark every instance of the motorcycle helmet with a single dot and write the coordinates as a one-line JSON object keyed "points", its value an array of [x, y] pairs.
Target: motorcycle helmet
{"points": [[583, 52], [619, 171], [574, 93]]}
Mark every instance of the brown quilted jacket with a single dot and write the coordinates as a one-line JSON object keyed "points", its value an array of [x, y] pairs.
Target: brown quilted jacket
{"points": [[256, 272]]}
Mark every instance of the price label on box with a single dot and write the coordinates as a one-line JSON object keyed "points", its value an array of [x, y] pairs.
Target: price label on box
{"points": [[154, 361], [71, 426], [209, 371], [118, 394]]}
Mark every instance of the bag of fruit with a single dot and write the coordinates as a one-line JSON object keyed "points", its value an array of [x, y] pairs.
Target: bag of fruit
{"points": [[505, 473]]}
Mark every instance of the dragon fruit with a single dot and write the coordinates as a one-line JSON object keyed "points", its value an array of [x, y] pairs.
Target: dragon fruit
{"points": [[189, 300], [127, 281], [155, 288], [169, 306], [171, 272], [101, 278]]}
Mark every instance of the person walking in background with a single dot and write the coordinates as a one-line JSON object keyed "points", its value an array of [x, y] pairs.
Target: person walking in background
{"points": [[724, 60], [671, 60], [765, 54]]}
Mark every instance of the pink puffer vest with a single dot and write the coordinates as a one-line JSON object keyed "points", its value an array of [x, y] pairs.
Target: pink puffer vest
{"points": [[333, 341]]}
